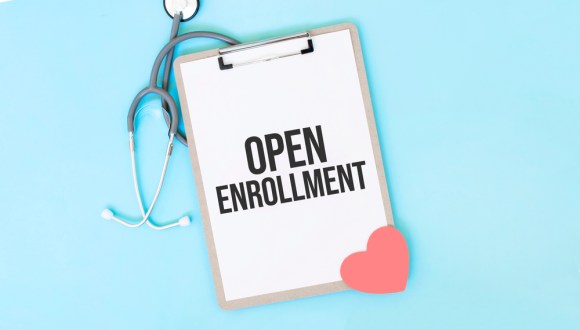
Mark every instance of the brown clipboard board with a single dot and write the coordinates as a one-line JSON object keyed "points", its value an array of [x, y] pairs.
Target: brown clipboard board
{"points": [[304, 291]]}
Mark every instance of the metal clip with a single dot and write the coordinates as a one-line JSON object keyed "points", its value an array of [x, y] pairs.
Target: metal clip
{"points": [[239, 48]]}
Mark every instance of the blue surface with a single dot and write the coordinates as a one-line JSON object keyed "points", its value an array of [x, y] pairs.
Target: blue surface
{"points": [[478, 111]]}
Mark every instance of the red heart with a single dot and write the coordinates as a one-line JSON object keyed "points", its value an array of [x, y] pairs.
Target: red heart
{"points": [[383, 267]]}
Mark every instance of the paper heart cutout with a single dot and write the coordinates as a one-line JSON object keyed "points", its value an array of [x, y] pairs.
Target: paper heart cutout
{"points": [[383, 267]]}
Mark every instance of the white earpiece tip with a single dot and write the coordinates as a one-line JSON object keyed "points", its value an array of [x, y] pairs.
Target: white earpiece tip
{"points": [[107, 214], [184, 222]]}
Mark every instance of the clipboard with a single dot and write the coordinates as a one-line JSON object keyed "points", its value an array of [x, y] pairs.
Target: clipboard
{"points": [[286, 96]]}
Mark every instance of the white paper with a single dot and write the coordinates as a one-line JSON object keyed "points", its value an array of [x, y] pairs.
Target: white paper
{"points": [[302, 243]]}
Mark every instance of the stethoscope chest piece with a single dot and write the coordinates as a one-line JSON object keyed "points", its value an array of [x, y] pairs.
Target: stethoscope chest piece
{"points": [[188, 8]]}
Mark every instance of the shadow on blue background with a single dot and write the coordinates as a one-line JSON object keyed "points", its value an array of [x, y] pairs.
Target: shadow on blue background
{"points": [[478, 112]]}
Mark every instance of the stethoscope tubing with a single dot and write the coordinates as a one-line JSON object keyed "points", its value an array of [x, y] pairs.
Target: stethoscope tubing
{"points": [[171, 116], [167, 50]]}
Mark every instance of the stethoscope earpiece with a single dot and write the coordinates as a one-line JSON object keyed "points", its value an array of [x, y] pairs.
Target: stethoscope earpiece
{"points": [[108, 214]]}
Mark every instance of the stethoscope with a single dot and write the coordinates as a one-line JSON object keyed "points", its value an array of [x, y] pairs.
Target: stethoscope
{"points": [[183, 10]]}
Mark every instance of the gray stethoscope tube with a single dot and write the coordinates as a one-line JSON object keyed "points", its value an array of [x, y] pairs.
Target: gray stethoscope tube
{"points": [[171, 118]]}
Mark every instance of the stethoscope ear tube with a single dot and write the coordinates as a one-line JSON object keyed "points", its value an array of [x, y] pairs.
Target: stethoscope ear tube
{"points": [[108, 214]]}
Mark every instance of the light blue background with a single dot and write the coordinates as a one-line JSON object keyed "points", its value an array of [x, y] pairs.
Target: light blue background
{"points": [[478, 111]]}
